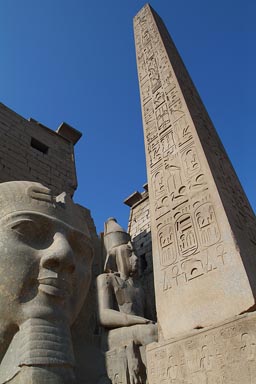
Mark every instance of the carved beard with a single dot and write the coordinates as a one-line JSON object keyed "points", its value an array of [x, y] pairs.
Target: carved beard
{"points": [[40, 352]]}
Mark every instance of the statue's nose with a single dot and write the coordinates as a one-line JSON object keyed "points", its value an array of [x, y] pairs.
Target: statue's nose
{"points": [[59, 256]]}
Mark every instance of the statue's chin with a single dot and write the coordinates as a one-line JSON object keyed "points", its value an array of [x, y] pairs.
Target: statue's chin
{"points": [[52, 291], [46, 305]]}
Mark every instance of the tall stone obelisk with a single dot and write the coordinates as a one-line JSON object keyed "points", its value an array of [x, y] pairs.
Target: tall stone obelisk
{"points": [[203, 228]]}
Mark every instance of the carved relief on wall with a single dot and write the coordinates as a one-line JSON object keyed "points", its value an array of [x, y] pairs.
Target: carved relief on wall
{"points": [[176, 111], [158, 183], [142, 68], [173, 173], [164, 63], [167, 243], [162, 117], [148, 112], [186, 235], [173, 94], [183, 210], [154, 150], [146, 36], [159, 98], [181, 130], [190, 162], [151, 132], [149, 52], [168, 82], [161, 199], [167, 143], [221, 355], [194, 266], [161, 206], [154, 75], [207, 224], [146, 92]]}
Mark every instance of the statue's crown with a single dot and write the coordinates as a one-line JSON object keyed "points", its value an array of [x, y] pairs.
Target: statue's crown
{"points": [[28, 196], [114, 234]]}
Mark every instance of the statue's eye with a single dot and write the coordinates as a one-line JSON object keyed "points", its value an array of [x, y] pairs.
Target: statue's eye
{"points": [[80, 246], [23, 228], [33, 233]]}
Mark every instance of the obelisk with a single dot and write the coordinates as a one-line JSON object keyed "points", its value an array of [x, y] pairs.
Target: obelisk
{"points": [[203, 228]]}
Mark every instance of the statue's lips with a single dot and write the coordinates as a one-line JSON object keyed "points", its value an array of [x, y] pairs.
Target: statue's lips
{"points": [[54, 287]]}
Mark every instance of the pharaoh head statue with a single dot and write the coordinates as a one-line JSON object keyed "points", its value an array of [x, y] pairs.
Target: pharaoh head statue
{"points": [[45, 256]]}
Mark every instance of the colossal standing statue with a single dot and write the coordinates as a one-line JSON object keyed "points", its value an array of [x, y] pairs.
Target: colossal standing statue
{"points": [[123, 304], [45, 271]]}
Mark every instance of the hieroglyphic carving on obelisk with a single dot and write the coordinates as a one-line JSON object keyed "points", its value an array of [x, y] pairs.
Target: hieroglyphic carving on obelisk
{"points": [[203, 229]]}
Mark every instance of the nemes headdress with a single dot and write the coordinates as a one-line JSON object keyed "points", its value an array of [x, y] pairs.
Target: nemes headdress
{"points": [[28, 196]]}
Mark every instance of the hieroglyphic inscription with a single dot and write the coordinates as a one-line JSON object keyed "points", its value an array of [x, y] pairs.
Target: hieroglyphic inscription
{"points": [[181, 273], [221, 355], [207, 225], [243, 218], [168, 245], [184, 212], [203, 230]]}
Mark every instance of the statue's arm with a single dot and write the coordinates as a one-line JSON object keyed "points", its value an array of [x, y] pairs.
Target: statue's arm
{"points": [[109, 317]]}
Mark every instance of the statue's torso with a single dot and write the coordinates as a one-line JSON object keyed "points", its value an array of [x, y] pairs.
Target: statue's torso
{"points": [[129, 295]]}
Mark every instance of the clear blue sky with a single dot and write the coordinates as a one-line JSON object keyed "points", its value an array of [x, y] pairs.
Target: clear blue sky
{"points": [[74, 61]]}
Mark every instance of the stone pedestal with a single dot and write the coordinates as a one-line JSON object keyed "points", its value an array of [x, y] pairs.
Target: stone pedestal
{"points": [[224, 354]]}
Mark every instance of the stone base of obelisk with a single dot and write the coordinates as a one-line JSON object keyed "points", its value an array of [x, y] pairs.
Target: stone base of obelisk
{"points": [[223, 354]]}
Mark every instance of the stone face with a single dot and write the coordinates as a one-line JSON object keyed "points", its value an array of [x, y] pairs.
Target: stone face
{"points": [[45, 271], [202, 226], [222, 354]]}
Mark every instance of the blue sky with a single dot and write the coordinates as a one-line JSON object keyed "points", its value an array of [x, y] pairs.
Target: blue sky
{"points": [[74, 61]]}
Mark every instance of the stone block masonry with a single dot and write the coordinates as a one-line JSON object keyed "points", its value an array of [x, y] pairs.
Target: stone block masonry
{"points": [[31, 151], [139, 227], [140, 232]]}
